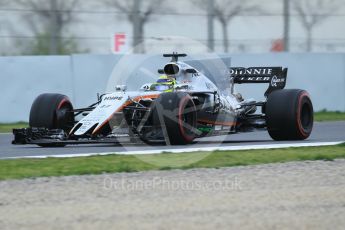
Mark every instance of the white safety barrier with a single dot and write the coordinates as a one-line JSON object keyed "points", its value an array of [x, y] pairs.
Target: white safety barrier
{"points": [[81, 77]]}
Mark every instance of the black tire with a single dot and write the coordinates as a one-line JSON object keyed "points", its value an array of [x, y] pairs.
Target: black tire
{"points": [[52, 111], [176, 114], [289, 115]]}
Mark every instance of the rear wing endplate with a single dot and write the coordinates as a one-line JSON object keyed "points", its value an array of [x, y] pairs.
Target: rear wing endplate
{"points": [[275, 76]]}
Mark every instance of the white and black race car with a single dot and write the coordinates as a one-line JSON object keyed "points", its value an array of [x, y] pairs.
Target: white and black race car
{"points": [[181, 106]]}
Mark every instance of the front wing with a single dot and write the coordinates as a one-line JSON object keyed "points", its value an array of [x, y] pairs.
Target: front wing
{"points": [[43, 136]]}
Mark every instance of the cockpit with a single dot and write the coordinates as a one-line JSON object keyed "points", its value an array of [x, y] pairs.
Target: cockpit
{"points": [[164, 83]]}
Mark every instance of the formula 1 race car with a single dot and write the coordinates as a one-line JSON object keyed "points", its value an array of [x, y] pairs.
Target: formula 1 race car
{"points": [[182, 105]]}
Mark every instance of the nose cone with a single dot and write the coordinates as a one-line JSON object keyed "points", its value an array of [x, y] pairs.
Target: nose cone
{"points": [[171, 69]]}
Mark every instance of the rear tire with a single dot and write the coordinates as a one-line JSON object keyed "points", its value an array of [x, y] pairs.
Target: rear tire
{"points": [[289, 115], [52, 111], [176, 114]]}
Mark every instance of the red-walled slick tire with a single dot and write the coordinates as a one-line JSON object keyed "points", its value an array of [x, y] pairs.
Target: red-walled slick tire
{"points": [[177, 115], [52, 111], [289, 114]]}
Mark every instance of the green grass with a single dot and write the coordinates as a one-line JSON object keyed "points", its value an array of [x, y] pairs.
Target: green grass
{"points": [[7, 128], [329, 116], [32, 168]]}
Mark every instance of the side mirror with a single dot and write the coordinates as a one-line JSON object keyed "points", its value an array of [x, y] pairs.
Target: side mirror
{"points": [[121, 88], [181, 87], [145, 87], [191, 71], [161, 71]]}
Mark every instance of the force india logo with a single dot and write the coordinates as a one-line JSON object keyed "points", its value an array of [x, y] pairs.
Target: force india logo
{"points": [[275, 81]]}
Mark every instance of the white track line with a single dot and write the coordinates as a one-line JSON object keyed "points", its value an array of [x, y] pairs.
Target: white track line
{"points": [[187, 150]]}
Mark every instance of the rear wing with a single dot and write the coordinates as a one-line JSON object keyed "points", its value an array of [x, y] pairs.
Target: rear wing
{"points": [[275, 76]]}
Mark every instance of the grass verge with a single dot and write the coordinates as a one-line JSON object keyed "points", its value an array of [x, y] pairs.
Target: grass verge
{"points": [[7, 128], [329, 116], [31, 168]]}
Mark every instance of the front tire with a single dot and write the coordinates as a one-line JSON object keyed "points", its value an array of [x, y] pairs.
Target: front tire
{"points": [[176, 114], [52, 111], [289, 115]]}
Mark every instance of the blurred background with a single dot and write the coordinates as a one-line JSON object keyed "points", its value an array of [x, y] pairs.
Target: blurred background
{"points": [[52, 27], [74, 47]]}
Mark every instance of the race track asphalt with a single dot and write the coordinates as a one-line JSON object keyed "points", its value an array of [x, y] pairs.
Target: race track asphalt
{"points": [[322, 132]]}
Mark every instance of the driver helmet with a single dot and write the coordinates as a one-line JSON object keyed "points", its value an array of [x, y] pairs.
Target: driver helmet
{"points": [[164, 83]]}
